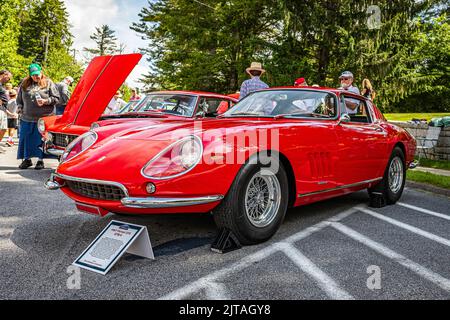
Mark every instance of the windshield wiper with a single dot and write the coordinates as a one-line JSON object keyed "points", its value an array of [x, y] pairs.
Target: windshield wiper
{"points": [[289, 115], [241, 114], [136, 115], [302, 114]]}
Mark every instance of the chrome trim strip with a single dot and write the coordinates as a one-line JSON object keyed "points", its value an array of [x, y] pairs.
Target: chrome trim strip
{"points": [[153, 202], [339, 188], [55, 152], [112, 183]]}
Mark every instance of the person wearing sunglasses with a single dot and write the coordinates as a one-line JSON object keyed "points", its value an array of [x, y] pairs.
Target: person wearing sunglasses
{"points": [[346, 80]]}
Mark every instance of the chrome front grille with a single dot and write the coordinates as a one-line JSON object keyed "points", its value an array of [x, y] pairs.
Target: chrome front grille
{"points": [[96, 190], [62, 140]]}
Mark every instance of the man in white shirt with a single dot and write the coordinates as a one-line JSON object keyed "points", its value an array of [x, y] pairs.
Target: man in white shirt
{"points": [[346, 80], [115, 104]]}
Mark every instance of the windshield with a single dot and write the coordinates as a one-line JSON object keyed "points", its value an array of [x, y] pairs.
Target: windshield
{"points": [[298, 103], [178, 104], [130, 107]]}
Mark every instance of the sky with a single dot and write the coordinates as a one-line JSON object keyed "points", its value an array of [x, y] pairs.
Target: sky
{"points": [[85, 15]]}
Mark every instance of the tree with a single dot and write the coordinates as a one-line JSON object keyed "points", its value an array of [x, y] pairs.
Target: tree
{"points": [[9, 35], [61, 64], [24, 25], [432, 57], [204, 45], [45, 26], [105, 40], [207, 45], [333, 36]]}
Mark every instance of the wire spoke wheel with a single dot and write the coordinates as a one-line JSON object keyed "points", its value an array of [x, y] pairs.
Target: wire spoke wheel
{"points": [[395, 175], [262, 199]]}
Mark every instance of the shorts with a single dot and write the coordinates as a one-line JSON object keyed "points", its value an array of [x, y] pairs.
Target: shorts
{"points": [[3, 120], [12, 123]]}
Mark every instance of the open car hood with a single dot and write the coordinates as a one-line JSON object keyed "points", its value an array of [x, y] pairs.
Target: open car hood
{"points": [[102, 78]]}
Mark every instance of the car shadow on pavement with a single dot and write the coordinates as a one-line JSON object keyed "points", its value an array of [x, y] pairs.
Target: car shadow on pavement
{"points": [[30, 173], [71, 234]]}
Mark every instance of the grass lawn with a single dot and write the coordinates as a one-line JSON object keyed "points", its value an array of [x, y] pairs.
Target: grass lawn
{"points": [[436, 164], [409, 116], [426, 177]]}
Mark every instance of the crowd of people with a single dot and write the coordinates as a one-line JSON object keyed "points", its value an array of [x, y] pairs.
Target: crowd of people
{"points": [[37, 96], [255, 71]]}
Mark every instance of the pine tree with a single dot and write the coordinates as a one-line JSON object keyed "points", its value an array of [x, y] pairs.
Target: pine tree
{"points": [[105, 40]]}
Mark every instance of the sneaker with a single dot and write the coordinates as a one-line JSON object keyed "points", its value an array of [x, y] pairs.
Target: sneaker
{"points": [[26, 164], [39, 165], [10, 143]]}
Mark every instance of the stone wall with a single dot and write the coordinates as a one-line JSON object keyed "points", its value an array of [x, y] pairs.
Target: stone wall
{"points": [[442, 149]]}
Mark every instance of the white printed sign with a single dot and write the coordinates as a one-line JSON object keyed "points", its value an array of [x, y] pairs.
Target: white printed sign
{"points": [[116, 239]]}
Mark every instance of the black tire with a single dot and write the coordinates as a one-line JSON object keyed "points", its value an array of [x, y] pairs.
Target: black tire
{"points": [[382, 189], [231, 213]]}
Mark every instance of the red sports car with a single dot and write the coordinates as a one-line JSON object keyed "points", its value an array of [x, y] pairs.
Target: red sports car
{"points": [[277, 148], [97, 86]]}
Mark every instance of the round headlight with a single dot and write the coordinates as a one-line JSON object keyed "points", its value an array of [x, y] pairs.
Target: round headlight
{"points": [[79, 145], [41, 125], [190, 153], [177, 159]]}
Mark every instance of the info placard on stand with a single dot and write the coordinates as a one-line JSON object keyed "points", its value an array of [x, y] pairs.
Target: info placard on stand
{"points": [[116, 239]]}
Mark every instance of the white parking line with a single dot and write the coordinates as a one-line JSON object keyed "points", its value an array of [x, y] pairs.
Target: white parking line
{"points": [[260, 255], [408, 227], [216, 291], [433, 213], [326, 283], [411, 265]]}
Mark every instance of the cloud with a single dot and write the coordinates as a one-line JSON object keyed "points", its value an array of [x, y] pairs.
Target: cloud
{"points": [[85, 15]]}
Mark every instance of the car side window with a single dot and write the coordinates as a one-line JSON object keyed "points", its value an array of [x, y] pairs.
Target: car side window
{"points": [[212, 107], [356, 109]]}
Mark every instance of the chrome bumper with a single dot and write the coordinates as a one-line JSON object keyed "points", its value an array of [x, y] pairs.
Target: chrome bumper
{"points": [[140, 203], [51, 184], [55, 152], [153, 202]]}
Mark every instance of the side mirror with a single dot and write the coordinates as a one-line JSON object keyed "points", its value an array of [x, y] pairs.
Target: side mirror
{"points": [[344, 118]]}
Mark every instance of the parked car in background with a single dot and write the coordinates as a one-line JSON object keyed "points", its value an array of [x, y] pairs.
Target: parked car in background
{"points": [[277, 148], [97, 86]]}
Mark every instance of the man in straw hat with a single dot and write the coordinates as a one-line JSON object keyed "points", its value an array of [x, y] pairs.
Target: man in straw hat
{"points": [[254, 84], [115, 104]]}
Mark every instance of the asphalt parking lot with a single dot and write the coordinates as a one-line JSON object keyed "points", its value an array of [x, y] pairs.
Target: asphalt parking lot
{"points": [[337, 249]]}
